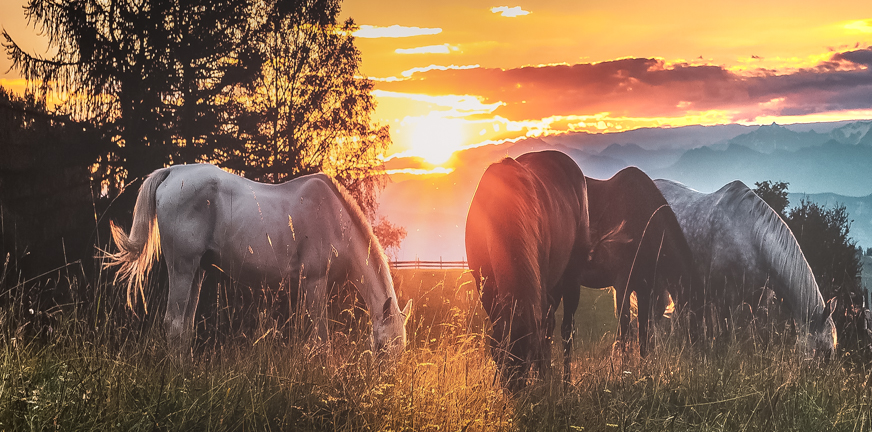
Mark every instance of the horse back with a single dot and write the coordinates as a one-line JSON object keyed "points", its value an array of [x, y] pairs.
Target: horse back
{"points": [[248, 229], [503, 231], [629, 206], [562, 196]]}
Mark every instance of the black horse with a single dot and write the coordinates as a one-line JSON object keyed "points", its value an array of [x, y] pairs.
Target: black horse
{"points": [[639, 248], [527, 242]]}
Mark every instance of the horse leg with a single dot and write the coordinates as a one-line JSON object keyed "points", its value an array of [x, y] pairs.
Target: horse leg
{"points": [[643, 302], [622, 302], [185, 281], [315, 290], [567, 328], [545, 359]]}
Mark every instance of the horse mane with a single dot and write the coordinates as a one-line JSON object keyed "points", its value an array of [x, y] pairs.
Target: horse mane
{"points": [[360, 220], [517, 188], [794, 279]]}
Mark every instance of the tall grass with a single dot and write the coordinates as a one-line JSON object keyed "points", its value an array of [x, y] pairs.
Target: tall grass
{"points": [[90, 364]]}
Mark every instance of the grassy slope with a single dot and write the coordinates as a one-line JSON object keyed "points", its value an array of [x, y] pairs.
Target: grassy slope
{"points": [[84, 376]]}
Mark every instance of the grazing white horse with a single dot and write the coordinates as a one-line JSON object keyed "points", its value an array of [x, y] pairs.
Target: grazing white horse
{"points": [[740, 244], [308, 231]]}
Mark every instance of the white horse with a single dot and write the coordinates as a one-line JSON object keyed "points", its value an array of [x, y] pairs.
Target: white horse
{"points": [[308, 231], [740, 244]]}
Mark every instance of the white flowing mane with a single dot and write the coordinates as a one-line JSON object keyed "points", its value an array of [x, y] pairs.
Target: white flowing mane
{"points": [[795, 280], [360, 221]]}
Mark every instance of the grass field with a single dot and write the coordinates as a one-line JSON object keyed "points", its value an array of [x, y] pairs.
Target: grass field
{"points": [[444, 294], [78, 368]]}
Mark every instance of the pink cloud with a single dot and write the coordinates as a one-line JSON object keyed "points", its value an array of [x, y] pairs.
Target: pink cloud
{"points": [[643, 87]]}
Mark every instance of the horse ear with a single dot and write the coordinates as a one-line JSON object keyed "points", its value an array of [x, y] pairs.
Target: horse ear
{"points": [[407, 311], [386, 309], [830, 308], [616, 236]]}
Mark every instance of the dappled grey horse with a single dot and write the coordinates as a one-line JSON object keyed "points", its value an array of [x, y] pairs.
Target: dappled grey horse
{"points": [[740, 245], [307, 231]]}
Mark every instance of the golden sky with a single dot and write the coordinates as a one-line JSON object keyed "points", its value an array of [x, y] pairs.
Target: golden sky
{"points": [[457, 73], [452, 73]]}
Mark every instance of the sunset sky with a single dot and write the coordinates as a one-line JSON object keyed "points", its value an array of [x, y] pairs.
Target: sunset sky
{"points": [[454, 73], [458, 73]]}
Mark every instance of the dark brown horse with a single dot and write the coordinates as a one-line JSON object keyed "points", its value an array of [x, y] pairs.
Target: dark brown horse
{"points": [[641, 249], [527, 241]]}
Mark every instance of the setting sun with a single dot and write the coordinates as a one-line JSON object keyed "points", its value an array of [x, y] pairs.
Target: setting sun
{"points": [[435, 138]]}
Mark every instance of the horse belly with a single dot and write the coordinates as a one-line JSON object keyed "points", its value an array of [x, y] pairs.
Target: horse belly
{"points": [[253, 251]]}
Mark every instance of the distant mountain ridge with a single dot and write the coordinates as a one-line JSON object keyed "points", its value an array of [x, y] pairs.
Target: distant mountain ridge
{"points": [[834, 158], [830, 167], [771, 138], [859, 210]]}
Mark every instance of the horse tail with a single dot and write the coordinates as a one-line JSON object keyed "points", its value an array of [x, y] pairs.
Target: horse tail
{"points": [[138, 251]]}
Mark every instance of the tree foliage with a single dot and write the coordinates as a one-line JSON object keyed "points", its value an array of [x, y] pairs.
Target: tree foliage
{"points": [[390, 236], [775, 194], [314, 109], [824, 237], [47, 204], [268, 88]]}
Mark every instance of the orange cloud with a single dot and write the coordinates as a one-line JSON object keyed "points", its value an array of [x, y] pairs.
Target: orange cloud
{"points": [[394, 31], [410, 72], [432, 49]]}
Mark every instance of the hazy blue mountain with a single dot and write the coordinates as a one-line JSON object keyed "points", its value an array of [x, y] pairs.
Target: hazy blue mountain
{"points": [[831, 167], [633, 154], [772, 138], [685, 137], [859, 210], [853, 133]]}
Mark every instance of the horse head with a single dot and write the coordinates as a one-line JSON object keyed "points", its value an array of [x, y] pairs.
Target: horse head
{"points": [[597, 272], [820, 340], [389, 329]]}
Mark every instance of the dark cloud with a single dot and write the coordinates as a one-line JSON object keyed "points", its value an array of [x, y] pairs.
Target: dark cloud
{"points": [[860, 57], [643, 87]]}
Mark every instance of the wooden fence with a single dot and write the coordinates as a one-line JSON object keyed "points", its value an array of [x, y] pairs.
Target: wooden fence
{"points": [[419, 264]]}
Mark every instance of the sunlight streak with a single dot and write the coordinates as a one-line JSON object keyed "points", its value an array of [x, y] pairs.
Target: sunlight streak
{"points": [[420, 171]]}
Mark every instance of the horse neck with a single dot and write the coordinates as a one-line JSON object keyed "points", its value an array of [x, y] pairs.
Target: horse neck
{"points": [[792, 276], [369, 265]]}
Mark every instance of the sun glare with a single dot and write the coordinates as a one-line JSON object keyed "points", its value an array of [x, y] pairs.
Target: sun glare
{"points": [[436, 139]]}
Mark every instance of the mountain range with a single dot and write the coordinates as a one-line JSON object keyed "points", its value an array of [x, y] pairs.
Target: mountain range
{"points": [[859, 210], [828, 162]]}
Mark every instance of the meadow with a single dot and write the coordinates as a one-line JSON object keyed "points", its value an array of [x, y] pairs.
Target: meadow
{"points": [[90, 364]]}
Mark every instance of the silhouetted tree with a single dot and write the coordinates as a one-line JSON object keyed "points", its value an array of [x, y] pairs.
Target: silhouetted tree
{"points": [[158, 76], [46, 201], [268, 88], [869, 251], [775, 194], [314, 107], [390, 236]]}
